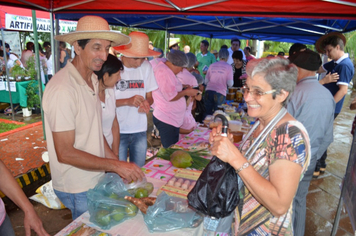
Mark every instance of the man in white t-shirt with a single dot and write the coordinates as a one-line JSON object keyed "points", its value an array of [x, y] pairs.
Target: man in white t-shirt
{"points": [[235, 45], [134, 97]]}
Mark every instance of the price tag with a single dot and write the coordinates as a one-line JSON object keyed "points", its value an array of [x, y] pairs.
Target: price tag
{"points": [[13, 86]]}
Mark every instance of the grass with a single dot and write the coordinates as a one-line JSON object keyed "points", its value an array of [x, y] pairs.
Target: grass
{"points": [[4, 127]]}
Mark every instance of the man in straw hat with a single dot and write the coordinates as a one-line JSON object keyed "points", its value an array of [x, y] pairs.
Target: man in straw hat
{"points": [[79, 155], [309, 100], [134, 97], [333, 45]]}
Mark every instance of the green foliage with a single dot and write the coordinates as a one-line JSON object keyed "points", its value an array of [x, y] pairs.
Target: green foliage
{"points": [[4, 127], [32, 96], [31, 67], [17, 71]]}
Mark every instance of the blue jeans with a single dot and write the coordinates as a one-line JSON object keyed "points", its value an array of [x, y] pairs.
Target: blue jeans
{"points": [[169, 134], [136, 143], [75, 202], [6, 227], [212, 100]]}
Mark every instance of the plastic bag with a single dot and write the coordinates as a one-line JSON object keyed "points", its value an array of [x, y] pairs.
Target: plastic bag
{"points": [[171, 213], [46, 196], [106, 204], [134, 187], [216, 192]]}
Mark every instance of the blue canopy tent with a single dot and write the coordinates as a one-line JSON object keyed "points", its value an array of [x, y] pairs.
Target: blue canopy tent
{"points": [[225, 27], [278, 20]]}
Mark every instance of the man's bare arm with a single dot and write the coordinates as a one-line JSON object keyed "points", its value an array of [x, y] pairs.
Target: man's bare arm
{"points": [[67, 154]]}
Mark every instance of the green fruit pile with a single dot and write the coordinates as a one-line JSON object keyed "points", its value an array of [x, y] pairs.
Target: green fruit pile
{"points": [[106, 216], [142, 191]]}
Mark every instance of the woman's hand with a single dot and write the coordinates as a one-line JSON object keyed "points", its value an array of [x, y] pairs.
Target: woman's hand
{"points": [[224, 149], [191, 92]]}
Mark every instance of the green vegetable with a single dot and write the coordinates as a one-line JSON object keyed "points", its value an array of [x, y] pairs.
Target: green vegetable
{"points": [[199, 162]]}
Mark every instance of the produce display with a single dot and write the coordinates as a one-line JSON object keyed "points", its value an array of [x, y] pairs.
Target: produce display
{"points": [[182, 160]]}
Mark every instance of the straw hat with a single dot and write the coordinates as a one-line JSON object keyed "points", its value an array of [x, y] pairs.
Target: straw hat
{"points": [[94, 27], [172, 43], [319, 43], [138, 48]]}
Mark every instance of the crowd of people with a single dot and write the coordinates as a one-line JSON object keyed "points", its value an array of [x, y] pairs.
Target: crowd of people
{"points": [[96, 106]]}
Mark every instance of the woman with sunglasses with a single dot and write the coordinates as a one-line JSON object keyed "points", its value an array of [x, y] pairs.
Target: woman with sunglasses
{"points": [[272, 157]]}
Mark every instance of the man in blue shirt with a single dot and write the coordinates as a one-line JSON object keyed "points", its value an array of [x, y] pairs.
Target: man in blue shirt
{"points": [[333, 45]]}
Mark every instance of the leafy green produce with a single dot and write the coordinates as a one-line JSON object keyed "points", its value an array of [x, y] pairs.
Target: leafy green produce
{"points": [[199, 162]]}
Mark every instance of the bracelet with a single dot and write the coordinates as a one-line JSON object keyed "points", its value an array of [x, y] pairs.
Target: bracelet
{"points": [[244, 166]]}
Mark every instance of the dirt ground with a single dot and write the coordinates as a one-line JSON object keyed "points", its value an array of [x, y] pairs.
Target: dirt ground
{"points": [[322, 199]]}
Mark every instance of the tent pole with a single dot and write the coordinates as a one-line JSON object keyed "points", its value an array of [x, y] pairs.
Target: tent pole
{"points": [[56, 47], [7, 73], [211, 38], [167, 38], [38, 66], [53, 46]]}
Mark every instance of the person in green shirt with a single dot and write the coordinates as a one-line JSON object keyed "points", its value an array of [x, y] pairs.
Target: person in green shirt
{"points": [[204, 58]]}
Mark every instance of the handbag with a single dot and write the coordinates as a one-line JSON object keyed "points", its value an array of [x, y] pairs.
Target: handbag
{"points": [[216, 191]]}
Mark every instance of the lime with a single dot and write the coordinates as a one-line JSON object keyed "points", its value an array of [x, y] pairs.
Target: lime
{"points": [[114, 196], [141, 192], [131, 209], [118, 213], [102, 217], [149, 187]]}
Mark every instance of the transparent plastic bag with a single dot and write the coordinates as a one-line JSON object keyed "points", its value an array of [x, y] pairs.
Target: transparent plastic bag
{"points": [[171, 213], [106, 204], [133, 187]]}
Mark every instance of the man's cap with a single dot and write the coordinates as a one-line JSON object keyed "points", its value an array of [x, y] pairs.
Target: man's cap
{"points": [[138, 48], [214, 51], [94, 27], [307, 59], [319, 43]]}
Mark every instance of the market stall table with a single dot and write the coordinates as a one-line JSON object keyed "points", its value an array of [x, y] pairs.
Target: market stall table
{"points": [[158, 172], [18, 97]]}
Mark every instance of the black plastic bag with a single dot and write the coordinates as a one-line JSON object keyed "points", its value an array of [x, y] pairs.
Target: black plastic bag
{"points": [[216, 192]]}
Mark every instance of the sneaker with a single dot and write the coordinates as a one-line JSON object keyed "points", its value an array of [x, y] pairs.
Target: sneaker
{"points": [[322, 170], [316, 174]]}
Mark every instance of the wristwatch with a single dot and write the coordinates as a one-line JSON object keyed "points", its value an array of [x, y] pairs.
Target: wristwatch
{"points": [[244, 166]]}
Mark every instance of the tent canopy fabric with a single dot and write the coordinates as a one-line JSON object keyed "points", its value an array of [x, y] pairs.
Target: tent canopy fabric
{"points": [[225, 27], [279, 20], [326, 9]]}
